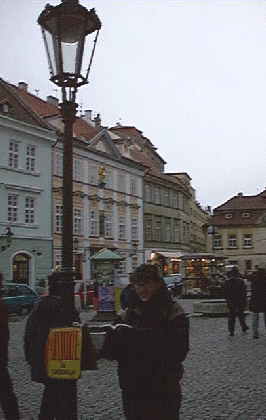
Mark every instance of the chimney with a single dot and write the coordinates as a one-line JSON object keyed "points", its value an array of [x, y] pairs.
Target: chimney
{"points": [[97, 122], [240, 194], [52, 100], [23, 86], [87, 115]]}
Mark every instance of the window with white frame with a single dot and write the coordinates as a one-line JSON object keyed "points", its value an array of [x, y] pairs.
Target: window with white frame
{"points": [[134, 228], [31, 159], [94, 174], [133, 186], [175, 200], [108, 179], [29, 210], [232, 241], [77, 221], [121, 227], [121, 182], [94, 223], [59, 218], [122, 265], [148, 229], [158, 230], [77, 170], [157, 196], [217, 241], [167, 231], [12, 208], [147, 193], [13, 154], [247, 241], [59, 164], [108, 225], [176, 232], [134, 262], [166, 198]]}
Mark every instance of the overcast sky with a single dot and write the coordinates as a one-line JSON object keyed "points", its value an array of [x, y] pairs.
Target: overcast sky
{"points": [[190, 75]]}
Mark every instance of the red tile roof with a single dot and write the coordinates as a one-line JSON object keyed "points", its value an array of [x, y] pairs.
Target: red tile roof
{"points": [[84, 129], [41, 107], [45, 109], [244, 211], [241, 202]]}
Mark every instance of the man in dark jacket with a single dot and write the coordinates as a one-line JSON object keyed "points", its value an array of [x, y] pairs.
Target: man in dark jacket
{"points": [[258, 299], [45, 315], [150, 347], [8, 398], [236, 298]]}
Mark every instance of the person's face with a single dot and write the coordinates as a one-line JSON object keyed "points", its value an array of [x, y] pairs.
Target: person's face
{"points": [[145, 290]]}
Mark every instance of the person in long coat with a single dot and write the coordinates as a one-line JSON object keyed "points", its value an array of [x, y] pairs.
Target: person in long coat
{"points": [[258, 299], [44, 316], [236, 298], [8, 397], [150, 346]]}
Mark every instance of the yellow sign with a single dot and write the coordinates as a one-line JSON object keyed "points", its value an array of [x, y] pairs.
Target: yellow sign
{"points": [[63, 353]]}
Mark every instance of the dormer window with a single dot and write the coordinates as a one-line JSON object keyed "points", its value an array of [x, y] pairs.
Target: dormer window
{"points": [[245, 215], [4, 106], [228, 216]]}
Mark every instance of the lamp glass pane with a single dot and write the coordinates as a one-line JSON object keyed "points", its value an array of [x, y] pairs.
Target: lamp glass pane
{"points": [[69, 52], [72, 35], [51, 51]]}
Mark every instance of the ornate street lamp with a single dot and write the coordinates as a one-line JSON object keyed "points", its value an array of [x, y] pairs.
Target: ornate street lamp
{"points": [[64, 28], [8, 237]]}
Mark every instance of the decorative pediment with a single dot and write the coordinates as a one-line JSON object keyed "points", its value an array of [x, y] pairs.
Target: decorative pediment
{"points": [[79, 194], [134, 206], [94, 197], [109, 200], [103, 143], [122, 203]]}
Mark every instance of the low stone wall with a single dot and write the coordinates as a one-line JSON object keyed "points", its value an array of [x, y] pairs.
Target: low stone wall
{"points": [[215, 307]]}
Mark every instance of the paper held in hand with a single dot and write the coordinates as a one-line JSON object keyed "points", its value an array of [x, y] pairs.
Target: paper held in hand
{"points": [[63, 353]]}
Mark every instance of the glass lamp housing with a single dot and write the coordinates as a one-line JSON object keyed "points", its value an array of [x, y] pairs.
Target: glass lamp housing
{"points": [[64, 29]]}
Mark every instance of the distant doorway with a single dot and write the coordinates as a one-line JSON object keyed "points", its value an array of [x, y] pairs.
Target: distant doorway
{"points": [[21, 268]]}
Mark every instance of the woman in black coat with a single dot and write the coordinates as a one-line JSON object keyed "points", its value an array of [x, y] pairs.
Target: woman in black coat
{"points": [[258, 299], [150, 347]]}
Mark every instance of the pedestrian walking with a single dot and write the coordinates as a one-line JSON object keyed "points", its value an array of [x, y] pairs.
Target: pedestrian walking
{"points": [[8, 397], [258, 299], [46, 315], [236, 298], [150, 346]]}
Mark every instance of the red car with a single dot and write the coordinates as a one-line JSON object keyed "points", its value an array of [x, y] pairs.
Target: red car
{"points": [[79, 290]]}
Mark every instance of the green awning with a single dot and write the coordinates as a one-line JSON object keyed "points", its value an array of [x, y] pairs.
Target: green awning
{"points": [[106, 254]]}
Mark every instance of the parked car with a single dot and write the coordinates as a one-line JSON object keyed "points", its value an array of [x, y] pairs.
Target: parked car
{"points": [[174, 284], [79, 291], [19, 298]]}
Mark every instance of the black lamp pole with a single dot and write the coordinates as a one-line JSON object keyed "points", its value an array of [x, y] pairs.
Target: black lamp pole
{"points": [[64, 29], [68, 112]]}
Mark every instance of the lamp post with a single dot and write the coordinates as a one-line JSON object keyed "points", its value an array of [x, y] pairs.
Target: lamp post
{"points": [[212, 230], [64, 29]]}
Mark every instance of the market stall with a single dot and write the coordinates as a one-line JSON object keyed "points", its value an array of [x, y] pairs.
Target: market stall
{"points": [[105, 282], [203, 274]]}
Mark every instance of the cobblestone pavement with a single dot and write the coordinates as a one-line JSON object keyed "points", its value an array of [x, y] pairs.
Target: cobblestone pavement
{"points": [[224, 376]]}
